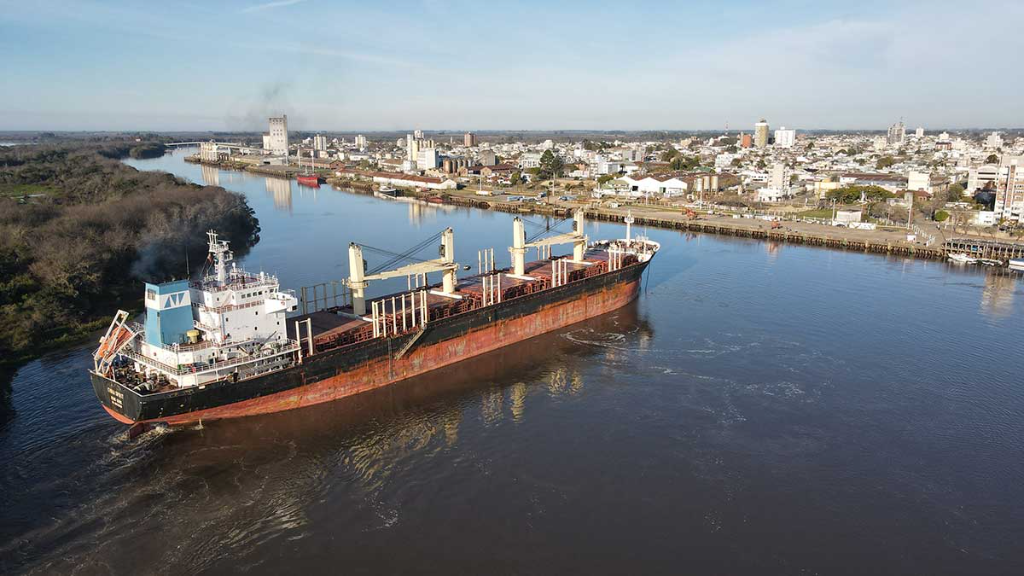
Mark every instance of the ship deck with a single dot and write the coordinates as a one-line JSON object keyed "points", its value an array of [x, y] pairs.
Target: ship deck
{"points": [[339, 326]]}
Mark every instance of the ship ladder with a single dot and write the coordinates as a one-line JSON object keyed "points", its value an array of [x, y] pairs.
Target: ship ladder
{"points": [[408, 345]]}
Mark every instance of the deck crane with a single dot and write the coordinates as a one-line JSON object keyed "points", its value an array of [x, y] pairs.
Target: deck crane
{"points": [[519, 245], [358, 279]]}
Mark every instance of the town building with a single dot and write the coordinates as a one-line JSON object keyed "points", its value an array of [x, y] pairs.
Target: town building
{"points": [[897, 134], [994, 141], [320, 142], [279, 135], [426, 159], [361, 142], [488, 158], [529, 160], [981, 177], [918, 180], [785, 138], [469, 140], [656, 184], [1009, 204], [761, 134]]}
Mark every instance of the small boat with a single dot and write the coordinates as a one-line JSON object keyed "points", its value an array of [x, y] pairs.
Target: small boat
{"points": [[1017, 265], [388, 192], [961, 258], [311, 180], [309, 177]]}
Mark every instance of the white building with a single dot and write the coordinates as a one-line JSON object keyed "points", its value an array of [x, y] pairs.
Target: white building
{"points": [[785, 138], [994, 141], [984, 218], [848, 216], [778, 177], [980, 176], [320, 142], [770, 194], [279, 136], [919, 133], [668, 186], [209, 151], [529, 160], [1010, 189], [266, 141], [426, 159], [897, 134], [361, 142], [919, 181]]}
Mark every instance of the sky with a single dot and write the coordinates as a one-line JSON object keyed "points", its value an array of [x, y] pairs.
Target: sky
{"points": [[484, 65]]}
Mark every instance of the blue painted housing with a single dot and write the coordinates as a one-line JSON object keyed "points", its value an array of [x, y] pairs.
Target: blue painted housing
{"points": [[168, 312]]}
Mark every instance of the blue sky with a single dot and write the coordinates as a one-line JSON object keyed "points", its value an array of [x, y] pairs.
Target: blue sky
{"points": [[226, 65]]}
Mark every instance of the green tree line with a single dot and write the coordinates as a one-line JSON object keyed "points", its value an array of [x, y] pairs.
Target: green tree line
{"points": [[90, 232]]}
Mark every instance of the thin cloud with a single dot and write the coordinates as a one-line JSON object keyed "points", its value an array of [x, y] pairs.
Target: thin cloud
{"points": [[270, 5]]}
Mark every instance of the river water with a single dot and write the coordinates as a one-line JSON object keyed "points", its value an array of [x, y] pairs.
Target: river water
{"points": [[761, 409]]}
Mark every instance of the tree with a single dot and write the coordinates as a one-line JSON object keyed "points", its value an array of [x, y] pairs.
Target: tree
{"points": [[669, 155], [992, 159], [515, 178], [941, 216], [884, 162], [955, 193], [551, 165], [605, 178], [852, 193], [761, 164]]}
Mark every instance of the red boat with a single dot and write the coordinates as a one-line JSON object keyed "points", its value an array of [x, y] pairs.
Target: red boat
{"points": [[311, 180]]}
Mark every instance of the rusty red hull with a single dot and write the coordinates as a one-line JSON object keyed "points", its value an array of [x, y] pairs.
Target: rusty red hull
{"points": [[323, 378]]}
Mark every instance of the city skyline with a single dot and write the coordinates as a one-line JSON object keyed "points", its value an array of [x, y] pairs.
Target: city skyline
{"points": [[455, 66]]}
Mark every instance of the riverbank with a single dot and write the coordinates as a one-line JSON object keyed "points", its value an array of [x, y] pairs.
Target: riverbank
{"points": [[890, 241]]}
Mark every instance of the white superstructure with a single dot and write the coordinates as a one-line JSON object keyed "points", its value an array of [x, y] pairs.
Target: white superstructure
{"points": [[230, 324]]}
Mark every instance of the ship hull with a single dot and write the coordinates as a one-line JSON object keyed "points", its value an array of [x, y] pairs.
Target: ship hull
{"points": [[335, 374]]}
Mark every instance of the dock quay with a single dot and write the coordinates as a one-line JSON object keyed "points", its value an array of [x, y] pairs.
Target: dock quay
{"points": [[824, 240], [840, 239]]}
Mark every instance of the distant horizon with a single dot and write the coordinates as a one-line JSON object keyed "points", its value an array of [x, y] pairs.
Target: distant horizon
{"points": [[74, 65]]}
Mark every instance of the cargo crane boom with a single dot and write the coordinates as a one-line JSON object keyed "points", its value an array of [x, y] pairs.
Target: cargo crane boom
{"points": [[519, 244], [358, 280]]}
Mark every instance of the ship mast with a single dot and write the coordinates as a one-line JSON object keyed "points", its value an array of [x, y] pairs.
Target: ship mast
{"points": [[221, 256]]}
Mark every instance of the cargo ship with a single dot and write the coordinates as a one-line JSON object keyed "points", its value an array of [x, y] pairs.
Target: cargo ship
{"points": [[233, 343]]}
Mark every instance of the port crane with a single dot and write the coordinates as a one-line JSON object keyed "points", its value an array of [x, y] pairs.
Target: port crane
{"points": [[520, 245], [358, 278]]}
